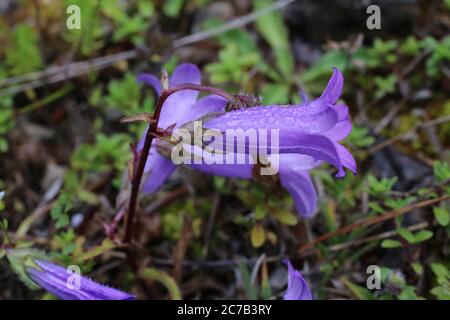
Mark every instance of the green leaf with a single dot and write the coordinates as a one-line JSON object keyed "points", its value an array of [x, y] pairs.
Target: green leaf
{"points": [[23, 54], [20, 260], [89, 37], [272, 28], [385, 85], [376, 207], [60, 210], [441, 171], [163, 278], [323, 66], [422, 236], [359, 292], [440, 271], [258, 236], [275, 93], [390, 244], [250, 290], [447, 4], [406, 234], [285, 217], [408, 293], [172, 8], [260, 212], [360, 137], [417, 267], [380, 187], [442, 216]]}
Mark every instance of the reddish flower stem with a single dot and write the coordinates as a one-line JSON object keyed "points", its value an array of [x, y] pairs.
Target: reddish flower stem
{"points": [[139, 171]]}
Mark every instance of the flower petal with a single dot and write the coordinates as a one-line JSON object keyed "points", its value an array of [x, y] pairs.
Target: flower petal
{"points": [[293, 119], [152, 81], [55, 279], [178, 106], [295, 178], [217, 164], [158, 169], [340, 131], [297, 287], [333, 90], [342, 111], [185, 73], [346, 158]]}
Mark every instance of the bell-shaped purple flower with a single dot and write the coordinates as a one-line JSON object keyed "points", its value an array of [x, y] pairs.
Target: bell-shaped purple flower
{"points": [[308, 134], [70, 286], [312, 128], [297, 288]]}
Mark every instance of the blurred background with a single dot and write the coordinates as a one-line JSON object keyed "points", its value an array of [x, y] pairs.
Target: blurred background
{"points": [[63, 152]]}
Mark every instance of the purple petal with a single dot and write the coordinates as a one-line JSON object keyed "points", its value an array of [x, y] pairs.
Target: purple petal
{"points": [[178, 106], [340, 131], [295, 178], [152, 81], [54, 279], [210, 165], [333, 90], [57, 286], [317, 146], [297, 286], [342, 111], [346, 158], [293, 119], [185, 73], [158, 169]]}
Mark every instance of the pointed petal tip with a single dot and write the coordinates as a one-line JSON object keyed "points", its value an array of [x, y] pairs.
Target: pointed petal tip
{"points": [[150, 80], [334, 88], [185, 73]]}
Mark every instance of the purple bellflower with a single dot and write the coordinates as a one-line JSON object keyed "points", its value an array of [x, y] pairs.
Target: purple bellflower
{"points": [[180, 108], [308, 135], [297, 288], [64, 284]]}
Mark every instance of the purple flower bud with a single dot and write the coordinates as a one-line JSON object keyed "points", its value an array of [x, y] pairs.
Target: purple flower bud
{"points": [[297, 288], [68, 285]]}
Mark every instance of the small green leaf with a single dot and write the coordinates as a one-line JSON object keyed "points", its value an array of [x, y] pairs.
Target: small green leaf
{"points": [[359, 292], [406, 234], [441, 171], [390, 244], [260, 212], [422, 236], [417, 267], [275, 93], [442, 216], [323, 66], [172, 8], [408, 293], [163, 278], [285, 217], [440, 271], [258, 236], [272, 28]]}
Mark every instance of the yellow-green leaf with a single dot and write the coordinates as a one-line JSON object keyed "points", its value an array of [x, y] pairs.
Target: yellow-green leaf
{"points": [[258, 236], [163, 278]]}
